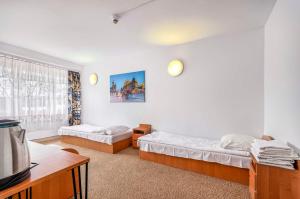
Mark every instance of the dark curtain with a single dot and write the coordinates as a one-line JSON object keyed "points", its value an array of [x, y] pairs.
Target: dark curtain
{"points": [[74, 95]]}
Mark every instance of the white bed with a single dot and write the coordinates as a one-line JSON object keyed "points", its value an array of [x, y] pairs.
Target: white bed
{"points": [[94, 133], [194, 148]]}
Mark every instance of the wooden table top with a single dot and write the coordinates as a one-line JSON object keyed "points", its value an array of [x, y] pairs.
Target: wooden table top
{"points": [[52, 161]]}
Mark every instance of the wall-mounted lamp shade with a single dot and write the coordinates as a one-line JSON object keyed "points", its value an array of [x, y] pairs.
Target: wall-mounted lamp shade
{"points": [[175, 68], [93, 79]]}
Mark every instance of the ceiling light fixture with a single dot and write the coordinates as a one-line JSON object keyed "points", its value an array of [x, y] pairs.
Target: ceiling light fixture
{"points": [[116, 17]]}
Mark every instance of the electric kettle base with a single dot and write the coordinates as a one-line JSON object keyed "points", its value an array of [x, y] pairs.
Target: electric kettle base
{"points": [[15, 179]]}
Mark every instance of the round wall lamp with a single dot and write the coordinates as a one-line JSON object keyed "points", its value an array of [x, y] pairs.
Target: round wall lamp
{"points": [[93, 79], [175, 68]]}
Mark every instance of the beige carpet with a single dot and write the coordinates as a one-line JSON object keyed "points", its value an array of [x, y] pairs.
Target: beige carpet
{"points": [[125, 176]]}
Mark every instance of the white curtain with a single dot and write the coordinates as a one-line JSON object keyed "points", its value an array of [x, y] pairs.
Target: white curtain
{"points": [[36, 94]]}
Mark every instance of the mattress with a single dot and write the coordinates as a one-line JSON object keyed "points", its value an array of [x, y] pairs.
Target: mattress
{"points": [[86, 133], [194, 148]]}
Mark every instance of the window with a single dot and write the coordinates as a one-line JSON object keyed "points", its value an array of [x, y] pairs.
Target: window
{"points": [[36, 94]]}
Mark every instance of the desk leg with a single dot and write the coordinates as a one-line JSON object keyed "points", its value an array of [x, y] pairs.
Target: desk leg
{"points": [[74, 184], [26, 191], [86, 179], [79, 177]]}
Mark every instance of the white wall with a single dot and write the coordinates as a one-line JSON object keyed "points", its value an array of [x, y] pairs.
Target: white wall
{"points": [[282, 72], [220, 91]]}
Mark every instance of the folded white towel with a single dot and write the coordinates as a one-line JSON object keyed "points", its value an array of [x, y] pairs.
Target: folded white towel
{"points": [[276, 165], [273, 153], [276, 158], [290, 157], [270, 145], [276, 162]]}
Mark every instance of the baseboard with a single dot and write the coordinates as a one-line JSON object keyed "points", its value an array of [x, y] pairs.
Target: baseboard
{"points": [[40, 134]]}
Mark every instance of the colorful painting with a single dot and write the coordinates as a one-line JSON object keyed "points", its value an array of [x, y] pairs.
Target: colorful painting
{"points": [[128, 87]]}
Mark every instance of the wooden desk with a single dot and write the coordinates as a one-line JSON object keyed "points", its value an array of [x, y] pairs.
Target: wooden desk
{"points": [[49, 178]]}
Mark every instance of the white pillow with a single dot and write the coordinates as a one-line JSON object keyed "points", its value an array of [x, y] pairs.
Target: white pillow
{"points": [[116, 130], [237, 142]]}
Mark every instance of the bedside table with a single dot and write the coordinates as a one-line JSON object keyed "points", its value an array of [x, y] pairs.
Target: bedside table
{"points": [[273, 182], [142, 130]]}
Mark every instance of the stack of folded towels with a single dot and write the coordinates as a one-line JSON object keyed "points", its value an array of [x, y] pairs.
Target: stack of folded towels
{"points": [[274, 153]]}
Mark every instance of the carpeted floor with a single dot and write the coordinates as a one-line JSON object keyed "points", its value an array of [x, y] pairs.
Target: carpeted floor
{"points": [[125, 176]]}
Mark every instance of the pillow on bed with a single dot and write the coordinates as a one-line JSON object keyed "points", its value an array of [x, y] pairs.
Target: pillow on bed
{"points": [[116, 130], [237, 142]]}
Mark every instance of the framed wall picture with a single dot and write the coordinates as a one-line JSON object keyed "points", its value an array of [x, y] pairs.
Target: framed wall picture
{"points": [[127, 87]]}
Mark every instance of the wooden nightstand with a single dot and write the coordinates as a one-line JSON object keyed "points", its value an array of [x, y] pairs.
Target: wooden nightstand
{"points": [[142, 130], [267, 182]]}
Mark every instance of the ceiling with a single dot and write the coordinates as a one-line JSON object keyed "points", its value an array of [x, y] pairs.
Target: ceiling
{"points": [[82, 30]]}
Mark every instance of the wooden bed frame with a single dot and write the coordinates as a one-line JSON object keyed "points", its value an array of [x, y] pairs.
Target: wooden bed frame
{"points": [[217, 170], [225, 172], [114, 148]]}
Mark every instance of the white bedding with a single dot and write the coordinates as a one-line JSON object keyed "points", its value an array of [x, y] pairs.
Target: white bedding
{"points": [[81, 131], [84, 128], [194, 148]]}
